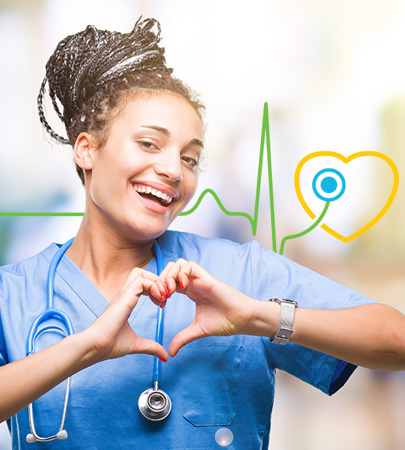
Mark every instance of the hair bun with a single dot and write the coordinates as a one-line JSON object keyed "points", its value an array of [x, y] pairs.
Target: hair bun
{"points": [[84, 61]]}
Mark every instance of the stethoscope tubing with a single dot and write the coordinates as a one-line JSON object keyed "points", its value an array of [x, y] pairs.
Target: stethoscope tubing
{"points": [[160, 315], [52, 313], [52, 271], [34, 332]]}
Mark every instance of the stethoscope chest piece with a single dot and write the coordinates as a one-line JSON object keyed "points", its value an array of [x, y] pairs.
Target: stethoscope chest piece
{"points": [[154, 404]]}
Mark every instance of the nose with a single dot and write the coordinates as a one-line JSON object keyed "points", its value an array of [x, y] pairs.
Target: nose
{"points": [[170, 167]]}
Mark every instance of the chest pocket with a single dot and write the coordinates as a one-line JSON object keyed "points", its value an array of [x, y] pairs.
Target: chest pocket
{"points": [[209, 378]]}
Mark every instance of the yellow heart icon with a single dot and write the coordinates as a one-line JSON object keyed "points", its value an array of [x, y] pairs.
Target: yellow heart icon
{"points": [[346, 160]]}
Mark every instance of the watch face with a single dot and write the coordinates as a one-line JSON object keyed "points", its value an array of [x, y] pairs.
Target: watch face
{"points": [[283, 300], [286, 300]]}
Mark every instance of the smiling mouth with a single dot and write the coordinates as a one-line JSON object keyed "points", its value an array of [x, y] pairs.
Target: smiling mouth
{"points": [[154, 194]]}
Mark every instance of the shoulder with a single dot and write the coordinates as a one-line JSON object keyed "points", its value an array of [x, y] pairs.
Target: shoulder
{"points": [[29, 268], [178, 244]]}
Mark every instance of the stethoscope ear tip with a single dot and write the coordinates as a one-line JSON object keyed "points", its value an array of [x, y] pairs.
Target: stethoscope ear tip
{"points": [[30, 438], [62, 435]]}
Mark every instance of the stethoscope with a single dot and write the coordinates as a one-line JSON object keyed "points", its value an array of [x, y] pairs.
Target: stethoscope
{"points": [[154, 404]]}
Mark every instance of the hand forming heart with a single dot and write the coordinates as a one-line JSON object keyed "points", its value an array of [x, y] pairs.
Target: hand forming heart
{"points": [[220, 310]]}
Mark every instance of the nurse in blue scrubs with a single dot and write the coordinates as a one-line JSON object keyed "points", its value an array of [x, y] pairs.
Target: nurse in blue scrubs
{"points": [[137, 137]]}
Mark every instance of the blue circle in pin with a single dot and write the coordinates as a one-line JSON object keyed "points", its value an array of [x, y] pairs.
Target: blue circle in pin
{"points": [[329, 185]]}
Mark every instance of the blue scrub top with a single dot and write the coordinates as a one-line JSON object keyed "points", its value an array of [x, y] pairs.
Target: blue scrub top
{"points": [[213, 382]]}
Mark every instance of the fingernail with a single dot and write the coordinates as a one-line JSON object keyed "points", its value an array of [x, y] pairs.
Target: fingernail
{"points": [[167, 291], [175, 354], [181, 285], [162, 359]]}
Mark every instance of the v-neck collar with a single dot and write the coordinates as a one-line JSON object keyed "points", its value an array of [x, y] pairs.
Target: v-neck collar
{"points": [[85, 290]]}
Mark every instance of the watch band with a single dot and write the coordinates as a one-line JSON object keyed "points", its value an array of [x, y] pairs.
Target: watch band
{"points": [[287, 312]]}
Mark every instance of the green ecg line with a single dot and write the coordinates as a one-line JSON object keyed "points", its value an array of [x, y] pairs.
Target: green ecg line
{"points": [[314, 225], [265, 136], [222, 207]]}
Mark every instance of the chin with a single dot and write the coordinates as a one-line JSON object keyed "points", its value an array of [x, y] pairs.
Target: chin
{"points": [[147, 232]]}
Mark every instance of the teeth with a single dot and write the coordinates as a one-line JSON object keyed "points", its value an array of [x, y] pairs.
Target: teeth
{"points": [[155, 192]]}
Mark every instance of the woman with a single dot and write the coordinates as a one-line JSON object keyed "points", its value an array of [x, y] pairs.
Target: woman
{"points": [[137, 136]]}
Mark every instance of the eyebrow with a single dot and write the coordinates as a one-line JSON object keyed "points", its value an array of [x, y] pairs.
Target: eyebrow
{"points": [[167, 133]]}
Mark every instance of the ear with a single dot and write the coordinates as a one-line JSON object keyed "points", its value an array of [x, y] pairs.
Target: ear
{"points": [[84, 151]]}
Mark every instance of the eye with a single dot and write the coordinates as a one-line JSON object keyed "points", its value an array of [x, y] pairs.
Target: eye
{"points": [[146, 145], [192, 162]]}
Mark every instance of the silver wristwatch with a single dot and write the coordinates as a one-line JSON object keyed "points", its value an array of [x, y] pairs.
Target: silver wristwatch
{"points": [[287, 311]]}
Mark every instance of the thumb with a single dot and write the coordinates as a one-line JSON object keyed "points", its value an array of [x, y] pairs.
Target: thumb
{"points": [[189, 334], [150, 347]]}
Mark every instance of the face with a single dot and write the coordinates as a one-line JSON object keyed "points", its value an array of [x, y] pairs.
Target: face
{"points": [[146, 173]]}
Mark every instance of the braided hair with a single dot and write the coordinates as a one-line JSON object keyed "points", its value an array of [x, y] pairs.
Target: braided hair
{"points": [[90, 72]]}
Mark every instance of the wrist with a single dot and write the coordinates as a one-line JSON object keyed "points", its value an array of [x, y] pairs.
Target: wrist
{"points": [[265, 319], [88, 349]]}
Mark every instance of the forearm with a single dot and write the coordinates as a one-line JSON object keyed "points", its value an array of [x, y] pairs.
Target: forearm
{"points": [[372, 335], [23, 381]]}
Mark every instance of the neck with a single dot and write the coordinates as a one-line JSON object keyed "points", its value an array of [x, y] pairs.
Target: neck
{"points": [[106, 259]]}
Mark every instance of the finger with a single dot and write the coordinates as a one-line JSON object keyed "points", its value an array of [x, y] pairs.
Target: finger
{"points": [[184, 276], [185, 273], [149, 347], [129, 295], [157, 290], [138, 272], [163, 288], [189, 334], [194, 273], [149, 282], [171, 276], [163, 273], [160, 288], [161, 302]]}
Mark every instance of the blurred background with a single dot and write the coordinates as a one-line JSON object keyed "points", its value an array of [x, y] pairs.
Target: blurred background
{"points": [[333, 74]]}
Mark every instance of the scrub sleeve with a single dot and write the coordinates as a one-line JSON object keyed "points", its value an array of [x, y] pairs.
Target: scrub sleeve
{"points": [[311, 290]]}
